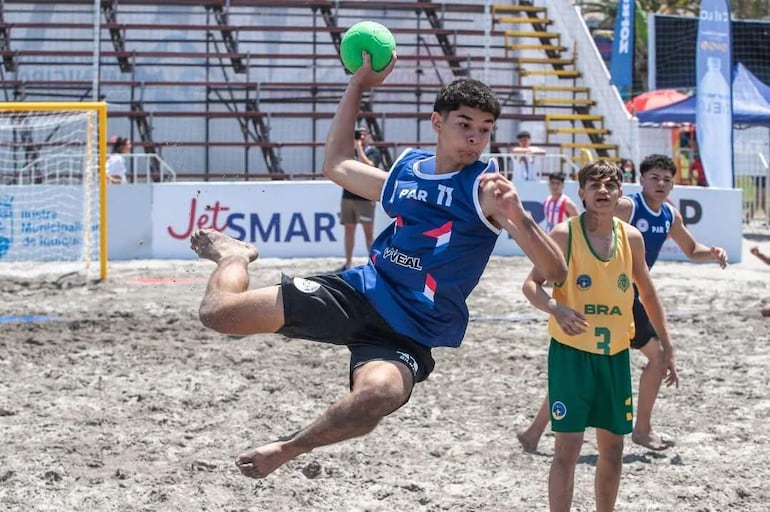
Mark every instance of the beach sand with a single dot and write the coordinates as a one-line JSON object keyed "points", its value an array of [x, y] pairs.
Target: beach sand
{"points": [[115, 398]]}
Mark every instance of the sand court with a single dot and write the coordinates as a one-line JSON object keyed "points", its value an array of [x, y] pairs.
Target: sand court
{"points": [[114, 397]]}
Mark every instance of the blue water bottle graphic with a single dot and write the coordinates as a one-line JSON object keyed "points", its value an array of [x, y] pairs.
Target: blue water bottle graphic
{"points": [[6, 224]]}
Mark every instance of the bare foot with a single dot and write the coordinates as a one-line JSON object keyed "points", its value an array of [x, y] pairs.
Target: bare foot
{"points": [[260, 462], [213, 245], [651, 440], [528, 441]]}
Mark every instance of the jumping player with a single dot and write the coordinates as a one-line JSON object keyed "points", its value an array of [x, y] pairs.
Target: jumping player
{"points": [[448, 210]]}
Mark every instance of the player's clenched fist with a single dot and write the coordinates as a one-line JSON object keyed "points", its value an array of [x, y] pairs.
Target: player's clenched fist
{"points": [[504, 193]]}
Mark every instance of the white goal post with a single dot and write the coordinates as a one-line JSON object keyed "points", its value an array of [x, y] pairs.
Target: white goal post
{"points": [[53, 183]]}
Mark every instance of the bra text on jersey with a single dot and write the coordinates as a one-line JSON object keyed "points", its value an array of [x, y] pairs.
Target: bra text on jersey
{"points": [[601, 309]]}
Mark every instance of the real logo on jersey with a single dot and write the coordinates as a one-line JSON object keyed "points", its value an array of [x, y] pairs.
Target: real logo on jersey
{"points": [[408, 360], [642, 225], [624, 283], [558, 410], [583, 282], [401, 259], [305, 285]]}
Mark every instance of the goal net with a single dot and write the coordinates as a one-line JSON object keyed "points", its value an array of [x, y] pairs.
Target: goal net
{"points": [[672, 42], [52, 184]]}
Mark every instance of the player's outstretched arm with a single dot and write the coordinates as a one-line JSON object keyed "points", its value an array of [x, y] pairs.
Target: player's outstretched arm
{"points": [[652, 305], [500, 201], [693, 249], [339, 165]]}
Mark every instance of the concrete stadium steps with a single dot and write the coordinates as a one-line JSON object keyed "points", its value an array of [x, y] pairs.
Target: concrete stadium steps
{"points": [[574, 125], [501, 9], [571, 131], [562, 102], [560, 73], [561, 96], [545, 60], [532, 33], [534, 47], [522, 20], [579, 131]]}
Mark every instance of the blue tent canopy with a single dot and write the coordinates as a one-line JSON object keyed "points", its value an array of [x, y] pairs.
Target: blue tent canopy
{"points": [[751, 103]]}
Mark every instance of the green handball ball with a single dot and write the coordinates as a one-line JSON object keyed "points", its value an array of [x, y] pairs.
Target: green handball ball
{"points": [[371, 37]]}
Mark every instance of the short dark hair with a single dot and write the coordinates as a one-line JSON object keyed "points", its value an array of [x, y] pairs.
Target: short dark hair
{"points": [[656, 161], [467, 92], [598, 170], [523, 134], [118, 143], [560, 176]]}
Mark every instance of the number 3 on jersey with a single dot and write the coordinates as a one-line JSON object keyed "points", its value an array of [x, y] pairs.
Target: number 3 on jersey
{"points": [[604, 339]]}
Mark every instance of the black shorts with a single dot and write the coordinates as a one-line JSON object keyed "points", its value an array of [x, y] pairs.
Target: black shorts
{"points": [[326, 308], [644, 330]]}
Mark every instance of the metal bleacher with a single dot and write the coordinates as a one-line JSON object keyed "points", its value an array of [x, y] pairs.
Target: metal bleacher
{"points": [[245, 89]]}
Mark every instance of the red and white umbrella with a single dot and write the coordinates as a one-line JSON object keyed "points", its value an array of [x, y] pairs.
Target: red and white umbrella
{"points": [[654, 99]]}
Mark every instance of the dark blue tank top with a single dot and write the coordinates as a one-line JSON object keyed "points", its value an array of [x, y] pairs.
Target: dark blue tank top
{"points": [[654, 226], [425, 264]]}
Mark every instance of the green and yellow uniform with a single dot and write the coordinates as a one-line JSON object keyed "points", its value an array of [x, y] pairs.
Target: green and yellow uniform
{"points": [[589, 378]]}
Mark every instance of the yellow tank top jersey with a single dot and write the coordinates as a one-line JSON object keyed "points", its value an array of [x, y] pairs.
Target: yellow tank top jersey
{"points": [[599, 289]]}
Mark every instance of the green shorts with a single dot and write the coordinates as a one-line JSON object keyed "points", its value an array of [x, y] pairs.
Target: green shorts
{"points": [[589, 390]]}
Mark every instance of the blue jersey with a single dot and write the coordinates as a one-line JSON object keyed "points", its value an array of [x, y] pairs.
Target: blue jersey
{"points": [[425, 264], [654, 226]]}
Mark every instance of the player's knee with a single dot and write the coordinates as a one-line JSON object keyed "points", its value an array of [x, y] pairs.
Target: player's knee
{"points": [[567, 450], [213, 317], [208, 317], [380, 396], [612, 451], [654, 353]]}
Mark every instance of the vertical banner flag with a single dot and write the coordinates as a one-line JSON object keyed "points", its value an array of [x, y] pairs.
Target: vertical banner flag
{"points": [[714, 108], [622, 59]]}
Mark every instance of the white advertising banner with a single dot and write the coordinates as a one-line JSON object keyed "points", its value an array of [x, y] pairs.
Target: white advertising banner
{"points": [[45, 223], [713, 216], [300, 219], [284, 219]]}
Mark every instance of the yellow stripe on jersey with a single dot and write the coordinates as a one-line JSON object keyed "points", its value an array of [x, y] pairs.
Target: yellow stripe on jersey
{"points": [[599, 289]]}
